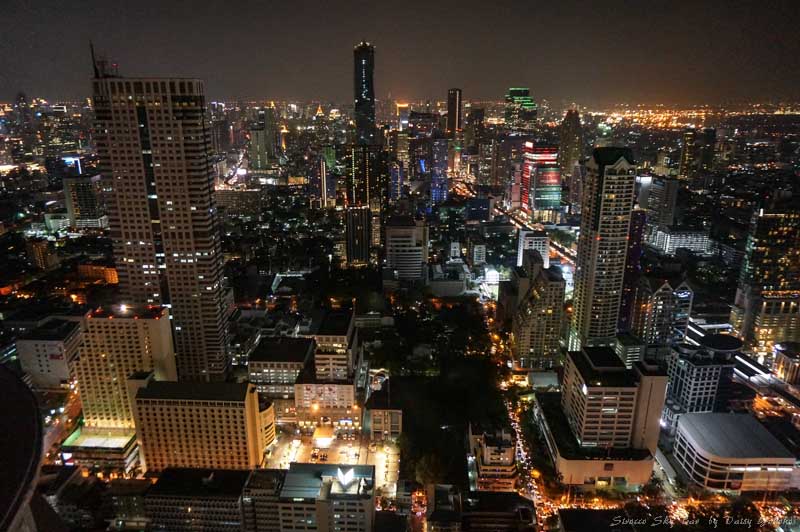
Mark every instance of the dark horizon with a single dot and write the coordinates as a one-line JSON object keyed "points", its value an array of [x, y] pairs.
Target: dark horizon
{"points": [[569, 51]]}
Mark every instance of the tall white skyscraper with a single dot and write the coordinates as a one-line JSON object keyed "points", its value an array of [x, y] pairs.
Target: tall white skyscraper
{"points": [[605, 217], [154, 147]]}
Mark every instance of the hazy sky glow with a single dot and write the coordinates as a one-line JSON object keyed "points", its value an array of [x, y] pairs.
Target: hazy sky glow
{"points": [[592, 52]]}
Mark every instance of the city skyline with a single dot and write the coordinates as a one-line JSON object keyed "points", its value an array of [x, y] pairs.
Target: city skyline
{"points": [[676, 53]]}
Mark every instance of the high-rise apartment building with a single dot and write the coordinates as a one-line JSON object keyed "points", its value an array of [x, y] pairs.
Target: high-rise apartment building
{"points": [[407, 247], [661, 310], [438, 171], [606, 210], [570, 138], [537, 321], [207, 424], [364, 90], [47, 354], [661, 201], [154, 149], [83, 200], [358, 235], [454, 105], [633, 268], [687, 168], [766, 310]]}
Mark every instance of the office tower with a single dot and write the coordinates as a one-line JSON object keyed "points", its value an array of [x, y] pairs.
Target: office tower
{"points": [[494, 454], [402, 111], [263, 141], [574, 184], [661, 201], [537, 322], [787, 362], [186, 500], [688, 163], [117, 343], [570, 139], [83, 200], [407, 247], [328, 498], [154, 148], [366, 180], [537, 240], [454, 105], [474, 127], [633, 268], [275, 363], [364, 89], [399, 147], [438, 171], [540, 187], [661, 309], [358, 235], [602, 245], [47, 354], [766, 310], [207, 424], [520, 109], [610, 406], [700, 377], [707, 148]]}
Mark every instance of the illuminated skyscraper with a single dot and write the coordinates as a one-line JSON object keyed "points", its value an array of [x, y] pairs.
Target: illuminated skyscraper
{"points": [[570, 137], [439, 184], [454, 104], [688, 164], [767, 306], [707, 148], [364, 87], [606, 212], [154, 149], [633, 268], [358, 235], [520, 111], [661, 201], [541, 179]]}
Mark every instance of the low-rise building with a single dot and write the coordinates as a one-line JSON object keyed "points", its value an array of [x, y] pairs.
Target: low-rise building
{"points": [[732, 452], [493, 453], [383, 418]]}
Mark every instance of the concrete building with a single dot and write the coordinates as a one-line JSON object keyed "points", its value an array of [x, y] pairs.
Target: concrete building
{"points": [[84, 202], [494, 457], [538, 319], [154, 148], [661, 309], [602, 430], [49, 352], [661, 201], [187, 500], [668, 240], [276, 362], [215, 424], [407, 247], [328, 498], [383, 418], [732, 452], [335, 335], [606, 210], [537, 240], [260, 496], [700, 377], [787, 362]]}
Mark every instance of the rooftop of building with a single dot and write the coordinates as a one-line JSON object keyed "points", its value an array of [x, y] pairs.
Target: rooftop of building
{"points": [[401, 220], [789, 349], [22, 452], [732, 436], [195, 391], [313, 481], [334, 323], [725, 343], [390, 522], [201, 483], [600, 366], [283, 349], [55, 330], [629, 339], [101, 440], [496, 502], [266, 479], [125, 312], [608, 155]]}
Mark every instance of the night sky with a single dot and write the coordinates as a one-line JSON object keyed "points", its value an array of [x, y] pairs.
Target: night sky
{"points": [[589, 52]]}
